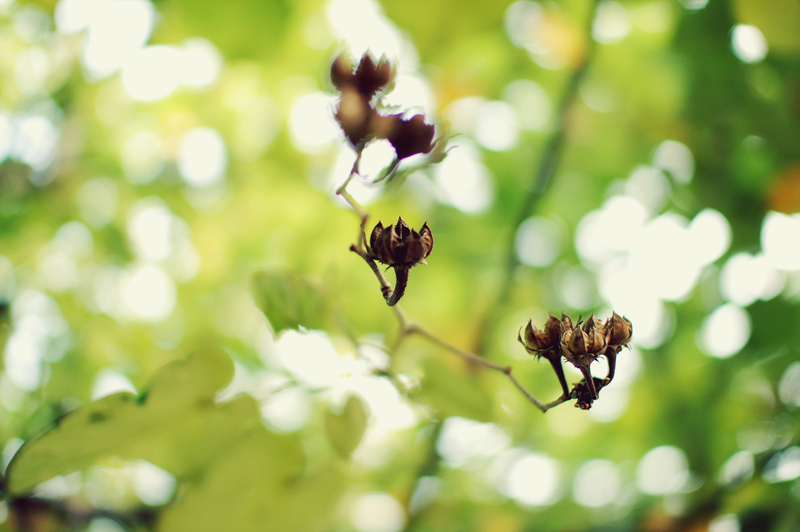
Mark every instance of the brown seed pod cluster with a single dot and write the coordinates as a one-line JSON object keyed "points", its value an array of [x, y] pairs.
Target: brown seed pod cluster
{"points": [[580, 344], [357, 113], [400, 247]]}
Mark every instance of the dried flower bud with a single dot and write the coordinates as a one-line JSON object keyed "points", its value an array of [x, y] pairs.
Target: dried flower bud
{"points": [[342, 72], [533, 339], [410, 137], [399, 245], [575, 345], [371, 77], [595, 335], [537, 342], [618, 330], [552, 331], [355, 116]]}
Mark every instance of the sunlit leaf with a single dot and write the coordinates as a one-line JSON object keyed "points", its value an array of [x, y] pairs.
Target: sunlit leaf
{"points": [[289, 301], [175, 425]]}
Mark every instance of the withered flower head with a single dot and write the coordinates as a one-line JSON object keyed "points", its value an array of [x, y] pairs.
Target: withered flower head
{"points": [[581, 349], [536, 341], [399, 245], [369, 77], [410, 137]]}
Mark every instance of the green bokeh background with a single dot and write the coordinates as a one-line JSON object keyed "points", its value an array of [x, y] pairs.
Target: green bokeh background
{"points": [[682, 82]]}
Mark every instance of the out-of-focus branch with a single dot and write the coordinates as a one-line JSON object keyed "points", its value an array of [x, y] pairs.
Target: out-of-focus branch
{"points": [[539, 184]]}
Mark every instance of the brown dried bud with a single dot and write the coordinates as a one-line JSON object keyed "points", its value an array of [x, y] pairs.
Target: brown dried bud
{"points": [[575, 345], [371, 77], [618, 330], [410, 137], [533, 339], [595, 335], [537, 342], [342, 72], [354, 116], [566, 323], [399, 245]]}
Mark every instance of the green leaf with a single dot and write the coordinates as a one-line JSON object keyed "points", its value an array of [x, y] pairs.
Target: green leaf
{"points": [[345, 430], [289, 301], [175, 425], [236, 475], [258, 486]]}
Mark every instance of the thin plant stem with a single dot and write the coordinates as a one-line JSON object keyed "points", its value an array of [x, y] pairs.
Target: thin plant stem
{"points": [[408, 328]]}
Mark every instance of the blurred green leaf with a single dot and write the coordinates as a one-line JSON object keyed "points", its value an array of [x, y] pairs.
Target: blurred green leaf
{"points": [[346, 429], [175, 425], [289, 301], [257, 485]]}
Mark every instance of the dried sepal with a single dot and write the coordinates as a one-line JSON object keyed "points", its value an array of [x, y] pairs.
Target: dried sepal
{"points": [[584, 395]]}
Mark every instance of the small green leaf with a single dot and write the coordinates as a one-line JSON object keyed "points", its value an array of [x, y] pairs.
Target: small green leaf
{"points": [[289, 301], [345, 430]]}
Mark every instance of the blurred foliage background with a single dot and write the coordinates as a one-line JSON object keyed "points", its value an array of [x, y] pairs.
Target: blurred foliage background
{"points": [[167, 168]]}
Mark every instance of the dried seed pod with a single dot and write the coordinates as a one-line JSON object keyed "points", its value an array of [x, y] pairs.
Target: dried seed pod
{"points": [[575, 345], [410, 137], [399, 245], [342, 72], [595, 335], [545, 343], [367, 79], [370, 77], [355, 116], [537, 342], [618, 330]]}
